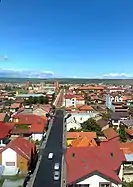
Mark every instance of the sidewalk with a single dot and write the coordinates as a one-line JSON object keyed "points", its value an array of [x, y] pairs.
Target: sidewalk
{"points": [[64, 169]]}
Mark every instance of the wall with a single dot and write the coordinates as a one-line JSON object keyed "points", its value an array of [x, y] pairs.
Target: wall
{"points": [[72, 124], [94, 181], [81, 117], [9, 155], [22, 164], [37, 137], [70, 102]]}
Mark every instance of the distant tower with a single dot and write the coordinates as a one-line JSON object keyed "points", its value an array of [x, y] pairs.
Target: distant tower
{"points": [[27, 85], [42, 85], [56, 85]]}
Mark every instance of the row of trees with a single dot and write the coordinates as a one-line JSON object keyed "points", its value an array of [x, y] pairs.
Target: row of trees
{"points": [[36, 100]]}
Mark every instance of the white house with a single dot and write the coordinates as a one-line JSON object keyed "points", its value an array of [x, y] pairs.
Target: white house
{"points": [[72, 123], [80, 117], [73, 100]]}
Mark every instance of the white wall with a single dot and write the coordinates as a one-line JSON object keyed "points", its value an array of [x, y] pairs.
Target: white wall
{"points": [[94, 181], [81, 117], [80, 102], [9, 155], [70, 102], [37, 137]]}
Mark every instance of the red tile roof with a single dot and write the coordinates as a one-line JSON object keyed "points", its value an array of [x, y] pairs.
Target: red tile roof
{"points": [[15, 105], [83, 161], [110, 133], [30, 119], [21, 146], [91, 88], [4, 130]]}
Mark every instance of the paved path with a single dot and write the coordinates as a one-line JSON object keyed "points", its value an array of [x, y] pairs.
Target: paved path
{"points": [[44, 176]]}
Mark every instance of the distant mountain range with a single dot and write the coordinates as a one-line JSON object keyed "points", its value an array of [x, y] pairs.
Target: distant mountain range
{"points": [[11, 73], [117, 76], [25, 74]]}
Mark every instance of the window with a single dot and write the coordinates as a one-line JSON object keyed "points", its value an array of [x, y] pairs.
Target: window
{"points": [[10, 163], [104, 184]]}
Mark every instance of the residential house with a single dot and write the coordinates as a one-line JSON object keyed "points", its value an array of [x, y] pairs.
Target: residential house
{"points": [[117, 117], [75, 135], [129, 128], [84, 142], [86, 166], [111, 134], [80, 116], [41, 110], [115, 89], [29, 125], [71, 123], [103, 124], [15, 106], [127, 149], [91, 88], [128, 99], [5, 131], [17, 156], [73, 100]]}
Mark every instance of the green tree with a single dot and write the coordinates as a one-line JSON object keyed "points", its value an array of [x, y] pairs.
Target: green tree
{"points": [[74, 130], [91, 126], [41, 100], [122, 133], [127, 184]]}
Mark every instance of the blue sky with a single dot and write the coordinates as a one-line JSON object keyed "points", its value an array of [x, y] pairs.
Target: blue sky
{"points": [[82, 38]]}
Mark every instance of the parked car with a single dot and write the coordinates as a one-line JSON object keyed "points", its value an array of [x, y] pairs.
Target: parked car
{"points": [[56, 166], [56, 175]]}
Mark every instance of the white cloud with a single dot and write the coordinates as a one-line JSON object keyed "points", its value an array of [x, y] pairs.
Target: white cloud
{"points": [[118, 75]]}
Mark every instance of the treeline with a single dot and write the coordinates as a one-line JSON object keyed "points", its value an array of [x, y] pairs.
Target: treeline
{"points": [[37, 100]]}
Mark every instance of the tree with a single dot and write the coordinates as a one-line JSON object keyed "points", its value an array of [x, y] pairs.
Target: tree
{"points": [[74, 130], [91, 126], [122, 133], [41, 100]]}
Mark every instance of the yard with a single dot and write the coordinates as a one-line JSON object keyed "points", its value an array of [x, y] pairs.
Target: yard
{"points": [[13, 180]]}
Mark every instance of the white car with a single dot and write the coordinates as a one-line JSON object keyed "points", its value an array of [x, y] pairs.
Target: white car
{"points": [[56, 175], [50, 155], [56, 166]]}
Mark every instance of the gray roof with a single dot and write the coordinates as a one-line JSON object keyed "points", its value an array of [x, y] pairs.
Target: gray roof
{"points": [[129, 157], [128, 122], [29, 95], [119, 115]]}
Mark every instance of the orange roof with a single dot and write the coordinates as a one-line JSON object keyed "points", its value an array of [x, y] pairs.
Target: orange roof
{"points": [[91, 88], [83, 142], [85, 108], [127, 147], [75, 135]]}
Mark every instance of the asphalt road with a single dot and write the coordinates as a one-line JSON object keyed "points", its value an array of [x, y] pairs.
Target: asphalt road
{"points": [[44, 177]]}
